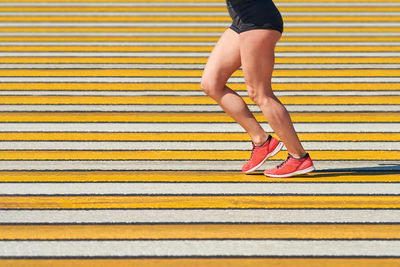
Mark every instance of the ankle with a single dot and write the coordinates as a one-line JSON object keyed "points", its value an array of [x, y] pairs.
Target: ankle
{"points": [[298, 155], [260, 140]]}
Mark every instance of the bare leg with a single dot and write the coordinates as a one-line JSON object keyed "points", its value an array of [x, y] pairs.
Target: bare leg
{"points": [[223, 61], [257, 56]]}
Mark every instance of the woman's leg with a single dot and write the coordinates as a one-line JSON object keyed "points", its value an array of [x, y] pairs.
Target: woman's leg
{"points": [[257, 57], [222, 62]]}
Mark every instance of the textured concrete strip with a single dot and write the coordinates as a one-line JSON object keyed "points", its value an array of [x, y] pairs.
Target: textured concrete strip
{"points": [[159, 155], [199, 189], [214, 262], [192, 127], [186, 145], [200, 216], [144, 73], [192, 108], [182, 165], [208, 248]]}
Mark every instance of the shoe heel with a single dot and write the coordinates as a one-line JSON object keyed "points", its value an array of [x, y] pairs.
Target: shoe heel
{"points": [[276, 150]]}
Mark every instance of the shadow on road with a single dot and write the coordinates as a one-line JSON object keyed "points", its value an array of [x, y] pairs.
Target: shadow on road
{"points": [[374, 171]]}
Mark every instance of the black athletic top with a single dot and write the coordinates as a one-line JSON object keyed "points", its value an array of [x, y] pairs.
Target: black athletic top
{"points": [[254, 14]]}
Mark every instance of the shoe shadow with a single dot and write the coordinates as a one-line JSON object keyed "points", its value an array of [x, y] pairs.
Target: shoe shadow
{"points": [[380, 170]]}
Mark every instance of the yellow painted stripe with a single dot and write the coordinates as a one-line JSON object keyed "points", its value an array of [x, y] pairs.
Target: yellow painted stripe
{"points": [[122, 9], [133, 1], [190, 39], [197, 60], [179, 202], [195, 86], [237, 262], [185, 155], [192, 73], [187, 117], [195, 9], [305, 18], [84, 136], [202, 231], [193, 48], [191, 176], [191, 29], [193, 100], [205, 1]]}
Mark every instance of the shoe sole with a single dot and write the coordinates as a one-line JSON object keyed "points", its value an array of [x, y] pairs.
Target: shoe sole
{"points": [[309, 169], [273, 153]]}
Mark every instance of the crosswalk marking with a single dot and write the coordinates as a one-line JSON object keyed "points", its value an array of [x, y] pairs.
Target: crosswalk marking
{"points": [[59, 176], [182, 137], [111, 155], [202, 248], [198, 202], [155, 189], [187, 127], [201, 99], [201, 231], [221, 262], [201, 216]]}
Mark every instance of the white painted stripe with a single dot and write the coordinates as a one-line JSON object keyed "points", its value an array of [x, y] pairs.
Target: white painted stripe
{"points": [[200, 216], [336, 66], [132, 43], [195, 14], [186, 146], [195, 93], [104, 79], [215, 248], [134, 14], [317, 24], [181, 165], [191, 66], [191, 54], [189, 4], [192, 108], [109, 66], [121, 4], [192, 127], [199, 189], [190, 34], [281, 43]]}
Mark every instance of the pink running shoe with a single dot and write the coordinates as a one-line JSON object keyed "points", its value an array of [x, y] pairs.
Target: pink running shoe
{"points": [[292, 166], [261, 153]]}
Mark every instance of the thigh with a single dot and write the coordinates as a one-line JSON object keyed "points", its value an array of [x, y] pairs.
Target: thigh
{"points": [[223, 60], [257, 48]]}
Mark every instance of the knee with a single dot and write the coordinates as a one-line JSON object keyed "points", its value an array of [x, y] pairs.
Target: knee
{"points": [[210, 86]]}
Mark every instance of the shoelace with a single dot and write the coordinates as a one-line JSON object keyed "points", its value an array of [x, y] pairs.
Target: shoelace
{"points": [[254, 147], [283, 163], [252, 151]]}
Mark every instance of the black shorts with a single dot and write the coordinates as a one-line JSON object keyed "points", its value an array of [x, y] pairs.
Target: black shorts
{"points": [[254, 14]]}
